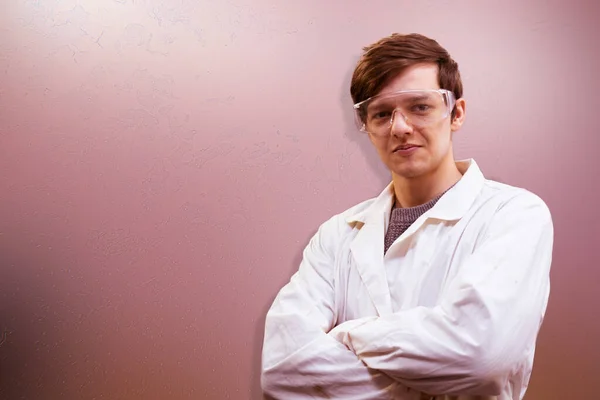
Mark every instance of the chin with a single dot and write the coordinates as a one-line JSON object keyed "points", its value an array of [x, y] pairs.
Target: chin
{"points": [[409, 170], [413, 175], [409, 173]]}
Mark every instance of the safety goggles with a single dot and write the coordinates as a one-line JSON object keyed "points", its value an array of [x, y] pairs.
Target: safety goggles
{"points": [[418, 108]]}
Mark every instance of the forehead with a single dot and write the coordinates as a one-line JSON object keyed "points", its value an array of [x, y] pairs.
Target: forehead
{"points": [[418, 76]]}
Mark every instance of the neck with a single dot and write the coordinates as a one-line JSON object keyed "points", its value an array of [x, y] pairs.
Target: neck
{"points": [[412, 192]]}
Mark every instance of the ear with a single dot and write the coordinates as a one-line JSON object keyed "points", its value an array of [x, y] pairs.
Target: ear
{"points": [[459, 115]]}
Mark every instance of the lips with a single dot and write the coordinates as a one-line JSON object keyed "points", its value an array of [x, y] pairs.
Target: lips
{"points": [[405, 147]]}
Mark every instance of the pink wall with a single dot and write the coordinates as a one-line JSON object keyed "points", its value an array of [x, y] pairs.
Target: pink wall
{"points": [[163, 163]]}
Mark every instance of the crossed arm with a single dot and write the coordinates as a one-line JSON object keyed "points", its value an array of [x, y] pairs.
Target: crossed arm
{"points": [[468, 344]]}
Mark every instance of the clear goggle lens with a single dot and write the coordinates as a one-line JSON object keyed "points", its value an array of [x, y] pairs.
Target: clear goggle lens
{"points": [[418, 108]]}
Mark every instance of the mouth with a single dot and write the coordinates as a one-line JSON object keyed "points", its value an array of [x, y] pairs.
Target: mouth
{"points": [[405, 147]]}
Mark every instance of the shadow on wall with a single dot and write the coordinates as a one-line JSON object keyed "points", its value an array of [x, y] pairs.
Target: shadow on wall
{"points": [[31, 354], [255, 388]]}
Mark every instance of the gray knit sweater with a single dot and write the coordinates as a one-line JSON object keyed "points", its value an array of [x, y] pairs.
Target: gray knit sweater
{"points": [[402, 218]]}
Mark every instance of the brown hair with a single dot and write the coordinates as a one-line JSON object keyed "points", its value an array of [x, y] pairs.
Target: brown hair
{"points": [[385, 59]]}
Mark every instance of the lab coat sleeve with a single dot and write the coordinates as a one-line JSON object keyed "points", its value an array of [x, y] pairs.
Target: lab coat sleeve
{"points": [[487, 320], [299, 359]]}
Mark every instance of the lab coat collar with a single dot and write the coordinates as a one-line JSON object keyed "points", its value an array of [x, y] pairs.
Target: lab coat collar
{"points": [[451, 206], [367, 247]]}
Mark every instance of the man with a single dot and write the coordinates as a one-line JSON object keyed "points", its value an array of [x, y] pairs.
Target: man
{"points": [[437, 288]]}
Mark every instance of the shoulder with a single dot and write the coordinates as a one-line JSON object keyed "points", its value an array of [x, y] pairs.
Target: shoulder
{"points": [[517, 201], [346, 218], [342, 224]]}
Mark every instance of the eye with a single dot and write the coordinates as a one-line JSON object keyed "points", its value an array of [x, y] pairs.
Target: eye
{"points": [[381, 114], [420, 108]]}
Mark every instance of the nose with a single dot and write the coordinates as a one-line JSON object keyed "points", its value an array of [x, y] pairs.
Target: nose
{"points": [[399, 124]]}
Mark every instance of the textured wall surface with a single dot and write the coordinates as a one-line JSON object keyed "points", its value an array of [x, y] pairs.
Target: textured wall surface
{"points": [[163, 163]]}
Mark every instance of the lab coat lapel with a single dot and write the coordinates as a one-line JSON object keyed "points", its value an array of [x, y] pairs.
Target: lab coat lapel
{"points": [[367, 252]]}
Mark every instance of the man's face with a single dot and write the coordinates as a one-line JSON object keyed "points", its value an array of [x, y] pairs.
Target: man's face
{"points": [[423, 149]]}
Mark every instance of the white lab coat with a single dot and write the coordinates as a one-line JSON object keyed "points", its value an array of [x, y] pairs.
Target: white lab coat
{"points": [[451, 311]]}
